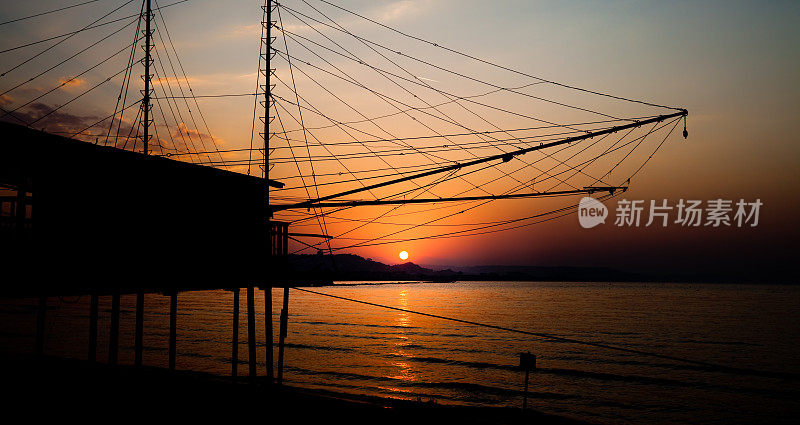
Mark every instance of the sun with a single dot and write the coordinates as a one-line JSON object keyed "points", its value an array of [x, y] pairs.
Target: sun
{"points": [[403, 255]]}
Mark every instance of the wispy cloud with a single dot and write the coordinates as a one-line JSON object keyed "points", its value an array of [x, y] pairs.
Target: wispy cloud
{"points": [[400, 9], [253, 30], [193, 134], [72, 84], [49, 117]]}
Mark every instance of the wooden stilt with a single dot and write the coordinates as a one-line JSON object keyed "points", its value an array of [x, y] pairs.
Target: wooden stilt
{"points": [[113, 338], [173, 321], [525, 397], [282, 336], [235, 339], [93, 306], [21, 208], [268, 331], [40, 324], [251, 331], [137, 361]]}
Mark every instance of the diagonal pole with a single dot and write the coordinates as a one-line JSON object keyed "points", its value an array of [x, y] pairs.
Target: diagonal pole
{"points": [[504, 157]]}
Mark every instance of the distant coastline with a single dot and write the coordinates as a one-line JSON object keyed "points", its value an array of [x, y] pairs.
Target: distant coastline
{"points": [[322, 270]]}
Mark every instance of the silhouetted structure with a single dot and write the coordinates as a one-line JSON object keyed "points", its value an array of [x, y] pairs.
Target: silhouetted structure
{"points": [[102, 218]]}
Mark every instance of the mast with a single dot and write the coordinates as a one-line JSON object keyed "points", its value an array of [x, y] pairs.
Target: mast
{"points": [[267, 96], [271, 238], [146, 77], [139, 327]]}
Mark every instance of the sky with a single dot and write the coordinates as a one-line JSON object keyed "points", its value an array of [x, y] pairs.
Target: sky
{"points": [[733, 65]]}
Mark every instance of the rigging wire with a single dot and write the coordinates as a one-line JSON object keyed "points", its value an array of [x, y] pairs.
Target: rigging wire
{"points": [[4, 73], [29, 80], [550, 336], [125, 82], [496, 65], [188, 84], [85, 29], [47, 12]]}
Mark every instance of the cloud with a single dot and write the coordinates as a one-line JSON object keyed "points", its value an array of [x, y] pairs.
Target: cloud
{"points": [[400, 9], [52, 120], [186, 139], [72, 84], [49, 118], [174, 81], [253, 30]]}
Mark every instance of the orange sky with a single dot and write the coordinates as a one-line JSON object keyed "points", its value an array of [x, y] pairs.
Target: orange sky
{"points": [[731, 64]]}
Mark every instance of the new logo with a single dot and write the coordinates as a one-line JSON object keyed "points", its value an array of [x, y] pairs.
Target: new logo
{"points": [[591, 212]]}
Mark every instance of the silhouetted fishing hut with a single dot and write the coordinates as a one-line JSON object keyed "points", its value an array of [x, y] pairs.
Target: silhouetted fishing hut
{"points": [[80, 218]]}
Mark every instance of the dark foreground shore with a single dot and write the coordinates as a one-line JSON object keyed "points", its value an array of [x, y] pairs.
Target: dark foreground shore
{"points": [[60, 389]]}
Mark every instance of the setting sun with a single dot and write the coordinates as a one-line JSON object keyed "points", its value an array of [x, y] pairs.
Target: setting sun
{"points": [[403, 255]]}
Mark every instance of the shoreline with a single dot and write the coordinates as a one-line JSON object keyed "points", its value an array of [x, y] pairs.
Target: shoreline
{"points": [[54, 381]]}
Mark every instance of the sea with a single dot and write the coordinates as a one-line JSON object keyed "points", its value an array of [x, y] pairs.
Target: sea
{"points": [[751, 331]]}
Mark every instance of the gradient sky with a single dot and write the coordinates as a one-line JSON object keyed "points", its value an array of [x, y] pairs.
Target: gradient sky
{"points": [[734, 65]]}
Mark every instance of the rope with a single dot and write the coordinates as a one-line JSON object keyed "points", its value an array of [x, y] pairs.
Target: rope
{"points": [[712, 366]]}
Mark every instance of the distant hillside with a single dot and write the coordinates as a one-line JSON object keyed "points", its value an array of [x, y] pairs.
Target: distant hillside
{"points": [[353, 267], [323, 269]]}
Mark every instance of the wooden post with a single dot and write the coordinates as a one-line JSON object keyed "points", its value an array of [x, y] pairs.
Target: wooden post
{"points": [[93, 327], [268, 330], [40, 324], [173, 321], [251, 331], [525, 397], [282, 336], [235, 339], [113, 338], [139, 328], [527, 361], [21, 212]]}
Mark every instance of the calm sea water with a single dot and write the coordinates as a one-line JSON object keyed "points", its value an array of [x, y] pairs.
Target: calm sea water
{"points": [[347, 347]]}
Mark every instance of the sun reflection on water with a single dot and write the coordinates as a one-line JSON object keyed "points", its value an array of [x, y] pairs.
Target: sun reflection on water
{"points": [[402, 320]]}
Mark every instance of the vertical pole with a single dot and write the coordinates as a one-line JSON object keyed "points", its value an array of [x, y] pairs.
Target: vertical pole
{"points": [[235, 338], [93, 327], [146, 100], [138, 343], [282, 336], [525, 397], [173, 325], [268, 330], [137, 359], [40, 321], [22, 202], [251, 331], [113, 339], [270, 235], [267, 96]]}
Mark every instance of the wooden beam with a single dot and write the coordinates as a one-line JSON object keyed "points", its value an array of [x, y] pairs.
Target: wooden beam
{"points": [[503, 157], [268, 331], [283, 331], [235, 338], [310, 235], [588, 190], [93, 307], [173, 328], [113, 338], [251, 331], [137, 345], [40, 324]]}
